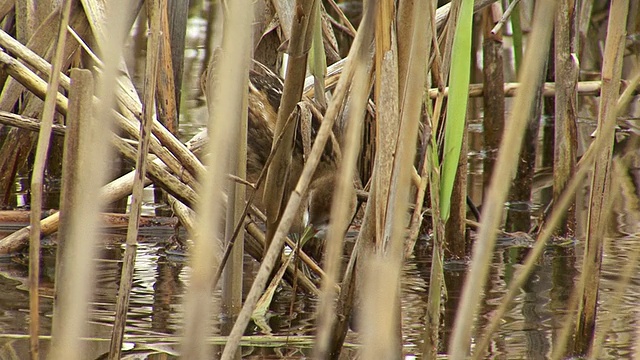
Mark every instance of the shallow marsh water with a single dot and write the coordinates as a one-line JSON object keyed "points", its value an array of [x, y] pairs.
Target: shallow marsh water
{"points": [[528, 331]]}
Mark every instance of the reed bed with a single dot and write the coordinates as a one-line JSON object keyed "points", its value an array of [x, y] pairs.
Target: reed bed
{"points": [[385, 97]]}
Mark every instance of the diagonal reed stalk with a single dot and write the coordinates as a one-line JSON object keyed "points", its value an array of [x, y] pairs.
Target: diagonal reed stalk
{"points": [[507, 162], [616, 298]]}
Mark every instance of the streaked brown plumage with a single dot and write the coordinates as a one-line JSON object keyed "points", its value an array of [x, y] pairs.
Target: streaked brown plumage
{"points": [[265, 91]]}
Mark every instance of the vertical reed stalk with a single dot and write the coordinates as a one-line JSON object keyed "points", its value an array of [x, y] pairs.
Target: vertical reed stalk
{"points": [[519, 210], [75, 253], [167, 88], [516, 36], [436, 276], [225, 99], [387, 142], [386, 96], [493, 99], [340, 212], [584, 21], [566, 75], [232, 281], [381, 334], [78, 271], [599, 201], [275, 193], [507, 161], [177, 13], [150, 79], [44, 138]]}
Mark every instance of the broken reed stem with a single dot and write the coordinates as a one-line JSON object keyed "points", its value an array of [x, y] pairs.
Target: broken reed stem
{"points": [[42, 149], [507, 160], [126, 277], [126, 96], [507, 13]]}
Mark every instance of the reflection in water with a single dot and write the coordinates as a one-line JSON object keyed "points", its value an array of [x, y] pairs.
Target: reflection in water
{"points": [[529, 328]]}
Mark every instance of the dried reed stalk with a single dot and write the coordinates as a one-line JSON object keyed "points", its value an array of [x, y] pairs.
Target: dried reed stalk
{"points": [[340, 211], [167, 104], [225, 101], [566, 138], [79, 269], [75, 252], [493, 86], [27, 123], [507, 161], [381, 335], [235, 212], [150, 82], [429, 173], [275, 194], [599, 199], [387, 114], [44, 139]]}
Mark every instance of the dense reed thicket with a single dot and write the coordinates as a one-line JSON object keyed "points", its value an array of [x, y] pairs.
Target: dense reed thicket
{"points": [[375, 102]]}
